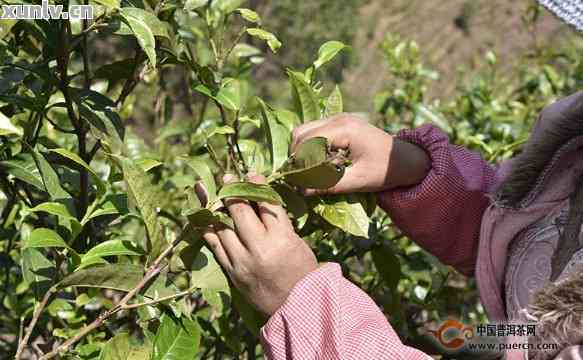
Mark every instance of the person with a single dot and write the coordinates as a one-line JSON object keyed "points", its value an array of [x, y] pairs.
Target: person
{"points": [[515, 226]]}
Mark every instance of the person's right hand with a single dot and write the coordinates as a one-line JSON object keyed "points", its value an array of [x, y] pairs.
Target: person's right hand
{"points": [[379, 161]]}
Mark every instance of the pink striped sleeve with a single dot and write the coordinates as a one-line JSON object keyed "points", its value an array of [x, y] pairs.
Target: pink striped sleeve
{"points": [[444, 212], [328, 317]]}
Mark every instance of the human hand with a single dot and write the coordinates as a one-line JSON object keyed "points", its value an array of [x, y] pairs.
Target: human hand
{"points": [[264, 257], [379, 161]]}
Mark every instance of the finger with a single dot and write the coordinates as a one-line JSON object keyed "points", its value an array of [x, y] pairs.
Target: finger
{"points": [[302, 129], [214, 242], [334, 129], [247, 223], [272, 215], [232, 244]]}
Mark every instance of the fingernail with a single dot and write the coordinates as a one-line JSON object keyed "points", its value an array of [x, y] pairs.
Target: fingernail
{"points": [[228, 178]]}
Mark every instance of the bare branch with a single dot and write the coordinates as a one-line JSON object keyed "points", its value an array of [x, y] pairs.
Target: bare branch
{"points": [[37, 313], [150, 274]]}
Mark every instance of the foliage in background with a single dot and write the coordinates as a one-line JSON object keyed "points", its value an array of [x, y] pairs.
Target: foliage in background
{"points": [[307, 24], [99, 239]]}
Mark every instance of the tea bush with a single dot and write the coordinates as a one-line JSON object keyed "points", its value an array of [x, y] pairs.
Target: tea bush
{"points": [[100, 229]]}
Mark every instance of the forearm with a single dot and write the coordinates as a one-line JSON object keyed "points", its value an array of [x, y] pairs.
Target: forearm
{"points": [[327, 317], [409, 164], [443, 212]]}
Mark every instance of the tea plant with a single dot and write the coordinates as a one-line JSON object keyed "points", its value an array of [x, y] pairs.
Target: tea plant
{"points": [[107, 233]]}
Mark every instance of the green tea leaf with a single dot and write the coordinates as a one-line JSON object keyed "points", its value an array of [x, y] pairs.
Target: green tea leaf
{"points": [[252, 318], [222, 130], [194, 4], [334, 102], [5, 26], [111, 205], [289, 119], [327, 52], [322, 176], [142, 32], [227, 6], [345, 212], [122, 277], [54, 208], [50, 178], [176, 339], [144, 193], [157, 26], [207, 273], [388, 266], [110, 4], [6, 126], [75, 158], [24, 168], [105, 126], [427, 114], [277, 136], [201, 218], [310, 167], [203, 172], [226, 96], [43, 238], [242, 50], [250, 191], [123, 347], [249, 15], [148, 164], [294, 203], [37, 271], [110, 248], [304, 96], [272, 41]]}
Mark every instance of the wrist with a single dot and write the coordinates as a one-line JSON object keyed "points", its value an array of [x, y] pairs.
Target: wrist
{"points": [[409, 164]]}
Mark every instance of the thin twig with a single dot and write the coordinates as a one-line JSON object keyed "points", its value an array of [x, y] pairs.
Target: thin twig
{"points": [[93, 151], [214, 157], [159, 300], [230, 50], [37, 313], [236, 142], [85, 52], [231, 143], [150, 274]]}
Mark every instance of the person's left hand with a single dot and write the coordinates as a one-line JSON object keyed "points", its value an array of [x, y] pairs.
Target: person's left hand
{"points": [[264, 257]]}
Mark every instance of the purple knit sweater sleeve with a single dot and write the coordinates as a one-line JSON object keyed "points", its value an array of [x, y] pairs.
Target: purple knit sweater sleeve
{"points": [[443, 213]]}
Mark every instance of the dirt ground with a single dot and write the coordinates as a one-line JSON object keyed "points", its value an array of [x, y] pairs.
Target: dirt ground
{"points": [[451, 33]]}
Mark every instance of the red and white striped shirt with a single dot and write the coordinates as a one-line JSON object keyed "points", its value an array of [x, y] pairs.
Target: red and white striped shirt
{"points": [[328, 317]]}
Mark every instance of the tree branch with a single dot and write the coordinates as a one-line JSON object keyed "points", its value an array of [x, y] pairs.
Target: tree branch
{"points": [[159, 300], [37, 313], [151, 273], [232, 143]]}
